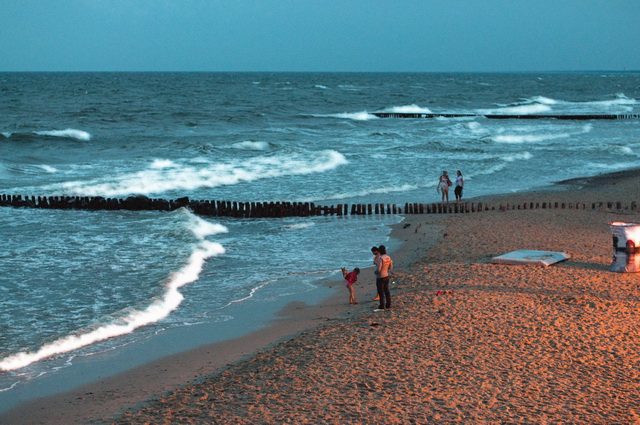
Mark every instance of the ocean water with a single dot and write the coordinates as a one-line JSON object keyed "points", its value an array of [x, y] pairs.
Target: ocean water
{"points": [[78, 283]]}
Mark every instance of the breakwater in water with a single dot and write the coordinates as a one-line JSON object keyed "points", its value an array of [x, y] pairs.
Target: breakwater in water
{"points": [[278, 209], [578, 117]]}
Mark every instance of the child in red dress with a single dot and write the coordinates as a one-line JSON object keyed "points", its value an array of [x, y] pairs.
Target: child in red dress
{"points": [[350, 278]]}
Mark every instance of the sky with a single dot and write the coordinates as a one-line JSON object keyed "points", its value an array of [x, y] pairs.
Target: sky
{"points": [[320, 35]]}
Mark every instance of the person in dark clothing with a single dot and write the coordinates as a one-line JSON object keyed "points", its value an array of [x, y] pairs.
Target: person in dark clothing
{"points": [[384, 267]]}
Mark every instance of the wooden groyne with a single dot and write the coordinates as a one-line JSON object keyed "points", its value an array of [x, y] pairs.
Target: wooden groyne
{"points": [[508, 116], [279, 209]]}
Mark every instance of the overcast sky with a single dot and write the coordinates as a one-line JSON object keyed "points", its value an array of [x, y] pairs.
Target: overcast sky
{"points": [[319, 35]]}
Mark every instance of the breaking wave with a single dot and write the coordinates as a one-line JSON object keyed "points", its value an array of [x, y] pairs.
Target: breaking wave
{"points": [[69, 133], [164, 175], [157, 309]]}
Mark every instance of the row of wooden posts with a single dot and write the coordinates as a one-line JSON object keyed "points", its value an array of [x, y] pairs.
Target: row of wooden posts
{"points": [[276, 209]]}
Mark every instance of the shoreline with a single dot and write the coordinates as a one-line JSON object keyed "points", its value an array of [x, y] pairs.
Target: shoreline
{"points": [[137, 384], [89, 401], [424, 245]]}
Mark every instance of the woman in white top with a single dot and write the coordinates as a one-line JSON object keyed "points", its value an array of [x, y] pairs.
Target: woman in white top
{"points": [[443, 186]]}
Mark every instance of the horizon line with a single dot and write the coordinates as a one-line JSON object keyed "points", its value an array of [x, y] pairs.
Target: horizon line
{"points": [[632, 71]]}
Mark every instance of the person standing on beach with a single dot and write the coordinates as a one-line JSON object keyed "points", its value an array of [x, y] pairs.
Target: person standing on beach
{"points": [[459, 187], [443, 186], [384, 266], [376, 255]]}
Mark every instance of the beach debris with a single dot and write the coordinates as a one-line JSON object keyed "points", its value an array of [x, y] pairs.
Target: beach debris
{"points": [[530, 257], [406, 225], [444, 293], [374, 324]]}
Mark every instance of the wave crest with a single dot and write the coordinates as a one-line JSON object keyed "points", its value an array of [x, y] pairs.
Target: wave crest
{"points": [[535, 108], [251, 145], [407, 109], [163, 176], [70, 133], [356, 116]]}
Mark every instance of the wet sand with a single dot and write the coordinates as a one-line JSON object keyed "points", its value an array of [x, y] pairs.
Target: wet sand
{"points": [[466, 341]]}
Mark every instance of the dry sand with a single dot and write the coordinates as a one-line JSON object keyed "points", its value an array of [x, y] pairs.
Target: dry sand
{"points": [[502, 344]]}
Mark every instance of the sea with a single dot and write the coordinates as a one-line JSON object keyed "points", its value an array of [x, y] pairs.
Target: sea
{"points": [[85, 294]]}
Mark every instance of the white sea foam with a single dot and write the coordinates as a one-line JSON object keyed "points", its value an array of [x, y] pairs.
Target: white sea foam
{"points": [[528, 138], [504, 161], [202, 228], [70, 133], [320, 86], [298, 225], [474, 126], [356, 116], [253, 291], [372, 191], [543, 100], [520, 134], [407, 109], [251, 145], [627, 150], [157, 310], [10, 387], [535, 108], [521, 156], [209, 174], [620, 103], [48, 168], [349, 87], [620, 100], [162, 163]]}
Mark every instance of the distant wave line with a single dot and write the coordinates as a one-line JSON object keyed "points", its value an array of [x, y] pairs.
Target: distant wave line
{"points": [[69, 133]]}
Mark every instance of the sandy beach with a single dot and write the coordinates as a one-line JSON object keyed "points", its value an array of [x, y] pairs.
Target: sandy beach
{"points": [[466, 341]]}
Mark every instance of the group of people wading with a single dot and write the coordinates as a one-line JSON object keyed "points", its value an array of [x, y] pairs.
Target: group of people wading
{"points": [[445, 182]]}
